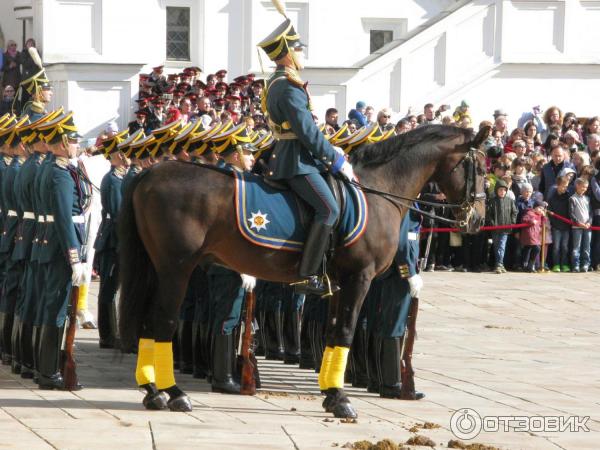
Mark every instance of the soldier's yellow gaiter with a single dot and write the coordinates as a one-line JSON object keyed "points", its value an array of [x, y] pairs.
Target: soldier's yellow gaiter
{"points": [[325, 365], [163, 365], [335, 373], [144, 370], [83, 297]]}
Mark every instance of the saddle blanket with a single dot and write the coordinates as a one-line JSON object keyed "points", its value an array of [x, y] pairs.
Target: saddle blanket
{"points": [[271, 218]]}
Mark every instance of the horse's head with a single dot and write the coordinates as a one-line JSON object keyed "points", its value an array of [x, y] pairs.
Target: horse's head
{"points": [[461, 177]]}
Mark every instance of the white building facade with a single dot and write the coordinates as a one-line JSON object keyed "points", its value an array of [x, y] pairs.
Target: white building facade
{"points": [[510, 54]]}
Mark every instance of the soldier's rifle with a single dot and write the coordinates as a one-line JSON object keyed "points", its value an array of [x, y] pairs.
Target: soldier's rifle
{"points": [[69, 367], [248, 361], [407, 391]]}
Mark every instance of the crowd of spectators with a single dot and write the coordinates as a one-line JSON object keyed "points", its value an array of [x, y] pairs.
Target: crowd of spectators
{"points": [[16, 66], [549, 163]]}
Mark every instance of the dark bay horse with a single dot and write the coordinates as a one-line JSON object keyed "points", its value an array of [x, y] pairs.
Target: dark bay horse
{"points": [[176, 216]]}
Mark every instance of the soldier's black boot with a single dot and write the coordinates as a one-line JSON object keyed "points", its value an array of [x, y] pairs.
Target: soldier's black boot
{"points": [[306, 356], [391, 380], [6, 326], [105, 325], [199, 355], [49, 357], [35, 348], [358, 352], [26, 345], [185, 346], [311, 264], [317, 343], [15, 344], [222, 377], [291, 337], [373, 363], [273, 336], [259, 335]]}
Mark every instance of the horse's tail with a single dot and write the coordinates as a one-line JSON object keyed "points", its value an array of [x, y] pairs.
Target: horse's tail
{"points": [[136, 272]]}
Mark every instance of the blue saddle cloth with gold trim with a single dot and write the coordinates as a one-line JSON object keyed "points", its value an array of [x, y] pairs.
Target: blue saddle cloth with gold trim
{"points": [[272, 218]]}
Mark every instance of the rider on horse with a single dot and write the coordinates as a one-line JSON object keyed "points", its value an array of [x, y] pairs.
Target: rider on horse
{"points": [[301, 153]]}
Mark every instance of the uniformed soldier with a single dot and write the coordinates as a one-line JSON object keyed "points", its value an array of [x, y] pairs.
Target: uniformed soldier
{"points": [[301, 153], [60, 252], [23, 188], [135, 165], [40, 90], [227, 288], [392, 294], [106, 242], [12, 269]]}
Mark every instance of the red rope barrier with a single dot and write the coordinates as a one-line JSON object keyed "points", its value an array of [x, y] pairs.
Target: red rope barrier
{"points": [[569, 221], [486, 228]]}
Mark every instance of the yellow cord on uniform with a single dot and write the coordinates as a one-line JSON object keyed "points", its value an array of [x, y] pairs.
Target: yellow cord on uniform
{"points": [[144, 370], [337, 368], [325, 364], [163, 365], [82, 301]]}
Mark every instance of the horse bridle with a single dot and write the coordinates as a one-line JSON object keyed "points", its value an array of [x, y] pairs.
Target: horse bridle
{"points": [[469, 164]]}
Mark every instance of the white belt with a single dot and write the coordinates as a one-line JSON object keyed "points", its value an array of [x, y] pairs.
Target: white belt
{"points": [[41, 219], [78, 219], [49, 218], [412, 236], [11, 213], [28, 215]]}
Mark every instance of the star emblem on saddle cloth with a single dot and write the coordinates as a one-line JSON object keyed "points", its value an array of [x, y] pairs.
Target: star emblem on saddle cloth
{"points": [[258, 221]]}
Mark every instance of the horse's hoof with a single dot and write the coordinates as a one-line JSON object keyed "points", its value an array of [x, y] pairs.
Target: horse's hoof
{"points": [[155, 401], [344, 411], [414, 395], [327, 404], [180, 404]]}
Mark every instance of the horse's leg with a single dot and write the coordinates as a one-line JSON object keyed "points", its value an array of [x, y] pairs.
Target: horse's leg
{"points": [[170, 291], [341, 333]]}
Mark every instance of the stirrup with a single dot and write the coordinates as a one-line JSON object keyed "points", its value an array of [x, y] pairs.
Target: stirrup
{"points": [[316, 285]]}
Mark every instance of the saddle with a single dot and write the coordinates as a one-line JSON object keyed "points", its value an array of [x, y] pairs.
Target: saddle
{"points": [[336, 185]]}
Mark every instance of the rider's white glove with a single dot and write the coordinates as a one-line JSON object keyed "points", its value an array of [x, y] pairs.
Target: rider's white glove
{"points": [[416, 284], [79, 274], [339, 151], [347, 171], [248, 282]]}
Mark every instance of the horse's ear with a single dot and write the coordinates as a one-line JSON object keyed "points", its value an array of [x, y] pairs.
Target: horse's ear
{"points": [[482, 135]]}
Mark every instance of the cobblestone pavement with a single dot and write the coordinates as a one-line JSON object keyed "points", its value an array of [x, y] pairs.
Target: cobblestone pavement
{"points": [[503, 345]]}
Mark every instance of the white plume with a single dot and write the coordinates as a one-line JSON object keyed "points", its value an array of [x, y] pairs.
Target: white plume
{"points": [[36, 57], [279, 6]]}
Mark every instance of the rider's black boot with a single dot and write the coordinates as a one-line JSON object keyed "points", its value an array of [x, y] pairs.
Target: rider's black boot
{"points": [[315, 247]]}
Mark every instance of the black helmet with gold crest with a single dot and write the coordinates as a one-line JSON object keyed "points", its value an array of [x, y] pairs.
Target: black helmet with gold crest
{"points": [[283, 39]]}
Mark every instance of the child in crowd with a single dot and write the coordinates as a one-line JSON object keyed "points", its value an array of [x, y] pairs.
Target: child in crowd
{"points": [[559, 204], [580, 213], [531, 237], [501, 211]]}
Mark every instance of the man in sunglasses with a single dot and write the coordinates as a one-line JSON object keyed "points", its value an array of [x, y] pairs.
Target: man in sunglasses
{"points": [[384, 119]]}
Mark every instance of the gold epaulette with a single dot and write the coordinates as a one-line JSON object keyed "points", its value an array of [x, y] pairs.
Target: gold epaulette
{"points": [[62, 161]]}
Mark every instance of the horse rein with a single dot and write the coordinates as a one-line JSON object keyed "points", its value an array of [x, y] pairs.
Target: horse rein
{"points": [[471, 195]]}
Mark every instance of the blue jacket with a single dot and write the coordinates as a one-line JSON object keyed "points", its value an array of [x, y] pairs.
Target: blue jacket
{"points": [[359, 117], [549, 173], [24, 194], [11, 219], [287, 104], [111, 197]]}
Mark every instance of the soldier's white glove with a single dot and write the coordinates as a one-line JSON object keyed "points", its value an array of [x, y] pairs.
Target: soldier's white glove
{"points": [[347, 171], [248, 282], [79, 274], [416, 283]]}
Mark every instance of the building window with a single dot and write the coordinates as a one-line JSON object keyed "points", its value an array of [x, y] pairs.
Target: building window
{"points": [[178, 34], [379, 38]]}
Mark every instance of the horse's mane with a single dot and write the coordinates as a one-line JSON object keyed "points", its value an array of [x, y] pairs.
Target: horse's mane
{"points": [[385, 151]]}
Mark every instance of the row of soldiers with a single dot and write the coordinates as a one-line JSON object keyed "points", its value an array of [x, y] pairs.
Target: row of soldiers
{"points": [[290, 327], [41, 251]]}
